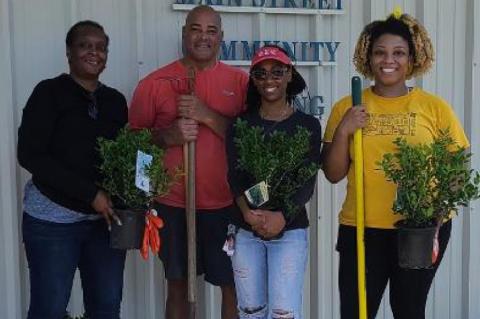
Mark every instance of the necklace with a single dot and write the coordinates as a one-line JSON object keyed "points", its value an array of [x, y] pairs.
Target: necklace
{"points": [[275, 117], [406, 91]]}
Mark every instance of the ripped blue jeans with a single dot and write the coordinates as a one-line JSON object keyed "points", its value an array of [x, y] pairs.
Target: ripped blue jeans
{"points": [[269, 274]]}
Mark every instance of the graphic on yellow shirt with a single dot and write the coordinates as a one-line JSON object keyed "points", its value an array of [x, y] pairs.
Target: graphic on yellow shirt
{"points": [[417, 116], [403, 124]]}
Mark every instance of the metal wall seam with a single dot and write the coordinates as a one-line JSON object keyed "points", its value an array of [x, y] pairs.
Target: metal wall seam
{"points": [[10, 288], [471, 250]]}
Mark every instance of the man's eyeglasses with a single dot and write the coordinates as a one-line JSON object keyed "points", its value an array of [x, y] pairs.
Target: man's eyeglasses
{"points": [[275, 74]]}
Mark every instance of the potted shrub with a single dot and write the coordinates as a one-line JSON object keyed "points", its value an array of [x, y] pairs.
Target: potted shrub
{"points": [[279, 165], [133, 174], [432, 180]]}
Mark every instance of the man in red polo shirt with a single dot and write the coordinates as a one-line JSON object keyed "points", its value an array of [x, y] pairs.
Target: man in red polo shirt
{"points": [[161, 102]]}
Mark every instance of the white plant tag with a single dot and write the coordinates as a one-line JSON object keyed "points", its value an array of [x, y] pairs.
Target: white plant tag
{"points": [[142, 181], [257, 195]]}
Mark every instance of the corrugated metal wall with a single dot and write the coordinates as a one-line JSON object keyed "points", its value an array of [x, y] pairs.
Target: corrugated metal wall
{"points": [[146, 34]]}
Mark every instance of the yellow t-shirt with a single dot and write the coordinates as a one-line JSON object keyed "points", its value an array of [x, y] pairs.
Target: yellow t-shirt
{"points": [[418, 117]]}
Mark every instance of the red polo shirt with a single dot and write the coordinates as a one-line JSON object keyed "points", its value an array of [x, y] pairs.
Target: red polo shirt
{"points": [[223, 89]]}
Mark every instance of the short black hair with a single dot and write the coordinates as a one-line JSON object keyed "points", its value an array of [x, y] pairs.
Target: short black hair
{"points": [[72, 33], [294, 87]]}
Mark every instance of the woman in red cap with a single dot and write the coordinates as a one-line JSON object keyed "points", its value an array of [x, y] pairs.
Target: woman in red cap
{"points": [[270, 250]]}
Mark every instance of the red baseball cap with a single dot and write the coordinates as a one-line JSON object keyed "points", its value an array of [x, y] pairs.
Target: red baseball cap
{"points": [[270, 53]]}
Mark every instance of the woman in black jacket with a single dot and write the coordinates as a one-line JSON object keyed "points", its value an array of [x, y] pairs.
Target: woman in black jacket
{"points": [[63, 228]]}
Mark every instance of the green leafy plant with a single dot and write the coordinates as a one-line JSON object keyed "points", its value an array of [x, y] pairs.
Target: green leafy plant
{"points": [[279, 159], [118, 168], [432, 179]]}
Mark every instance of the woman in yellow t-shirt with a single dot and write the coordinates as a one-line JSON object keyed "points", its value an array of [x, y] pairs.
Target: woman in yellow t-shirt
{"points": [[389, 52]]}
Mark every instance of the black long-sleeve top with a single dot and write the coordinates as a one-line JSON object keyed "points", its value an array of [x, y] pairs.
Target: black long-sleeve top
{"points": [[240, 180], [57, 138]]}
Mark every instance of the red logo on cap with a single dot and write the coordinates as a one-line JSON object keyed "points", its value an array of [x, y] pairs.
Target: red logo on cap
{"points": [[273, 53], [267, 51]]}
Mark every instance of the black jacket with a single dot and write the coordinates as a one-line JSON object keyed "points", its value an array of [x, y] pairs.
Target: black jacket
{"points": [[240, 180], [57, 138]]}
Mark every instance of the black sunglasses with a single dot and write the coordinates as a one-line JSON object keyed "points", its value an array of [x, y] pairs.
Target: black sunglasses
{"points": [[275, 74]]}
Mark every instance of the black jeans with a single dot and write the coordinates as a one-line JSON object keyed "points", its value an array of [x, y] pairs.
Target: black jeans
{"points": [[408, 287]]}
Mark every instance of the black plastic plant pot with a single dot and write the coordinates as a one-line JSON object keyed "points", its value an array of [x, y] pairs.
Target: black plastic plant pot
{"points": [[130, 234], [415, 247]]}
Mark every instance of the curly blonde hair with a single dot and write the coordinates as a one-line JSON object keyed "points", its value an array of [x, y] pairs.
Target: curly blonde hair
{"points": [[419, 43]]}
